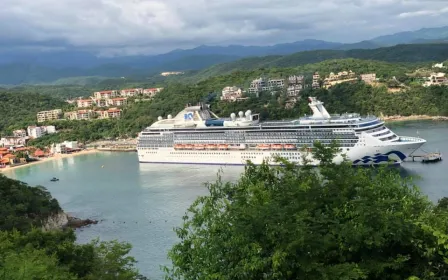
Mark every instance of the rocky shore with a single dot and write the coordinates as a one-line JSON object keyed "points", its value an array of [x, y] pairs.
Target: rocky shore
{"points": [[63, 220]]}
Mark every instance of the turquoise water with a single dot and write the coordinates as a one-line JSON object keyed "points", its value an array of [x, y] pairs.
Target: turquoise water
{"points": [[142, 204]]}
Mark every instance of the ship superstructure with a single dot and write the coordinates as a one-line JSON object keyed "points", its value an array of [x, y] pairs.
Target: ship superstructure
{"points": [[197, 136]]}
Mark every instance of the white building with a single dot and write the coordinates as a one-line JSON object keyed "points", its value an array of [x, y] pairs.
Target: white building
{"points": [[19, 133], [49, 129], [276, 83], [84, 103], [438, 65], [62, 148], [151, 92], [34, 131], [231, 93], [12, 141], [257, 86]]}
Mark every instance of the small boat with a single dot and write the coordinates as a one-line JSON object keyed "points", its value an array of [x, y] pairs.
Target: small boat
{"points": [[211, 147], [264, 146], [54, 179], [290, 147], [277, 146], [432, 157], [223, 147]]}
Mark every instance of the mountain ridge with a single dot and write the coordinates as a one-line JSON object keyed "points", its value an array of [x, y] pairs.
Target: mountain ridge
{"points": [[18, 68]]}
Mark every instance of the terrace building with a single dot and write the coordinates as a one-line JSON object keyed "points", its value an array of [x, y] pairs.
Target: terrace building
{"points": [[49, 115], [231, 93], [105, 94], [131, 92], [84, 103]]}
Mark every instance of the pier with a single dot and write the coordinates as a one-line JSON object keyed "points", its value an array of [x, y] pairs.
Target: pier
{"points": [[426, 157]]}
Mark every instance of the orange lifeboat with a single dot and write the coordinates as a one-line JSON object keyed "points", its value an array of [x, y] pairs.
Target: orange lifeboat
{"points": [[223, 146], [179, 147], [188, 146], [277, 146], [264, 146], [290, 147], [211, 147], [199, 147]]}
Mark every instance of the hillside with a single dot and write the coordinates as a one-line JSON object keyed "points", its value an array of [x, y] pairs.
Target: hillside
{"points": [[66, 66], [417, 53], [19, 110]]}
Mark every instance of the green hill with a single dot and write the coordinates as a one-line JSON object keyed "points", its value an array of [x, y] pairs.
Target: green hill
{"points": [[19, 110], [417, 53]]}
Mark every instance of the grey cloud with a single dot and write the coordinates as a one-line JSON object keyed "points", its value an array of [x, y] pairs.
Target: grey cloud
{"points": [[147, 26]]}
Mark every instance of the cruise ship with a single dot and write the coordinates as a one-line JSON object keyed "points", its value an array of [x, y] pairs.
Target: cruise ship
{"points": [[198, 136]]}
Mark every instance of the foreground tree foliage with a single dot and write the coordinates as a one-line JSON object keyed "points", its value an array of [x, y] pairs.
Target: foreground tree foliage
{"points": [[333, 222], [26, 252]]}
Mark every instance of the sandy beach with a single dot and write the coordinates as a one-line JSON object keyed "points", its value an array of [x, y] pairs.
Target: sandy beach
{"points": [[399, 118], [56, 156]]}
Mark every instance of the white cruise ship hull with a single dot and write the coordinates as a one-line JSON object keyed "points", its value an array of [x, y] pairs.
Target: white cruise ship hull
{"points": [[390, 153]]}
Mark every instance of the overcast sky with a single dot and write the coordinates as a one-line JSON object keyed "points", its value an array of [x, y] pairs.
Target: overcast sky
{"points": [[157, 26]]}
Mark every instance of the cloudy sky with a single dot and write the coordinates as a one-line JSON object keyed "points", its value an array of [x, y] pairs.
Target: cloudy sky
{"points": [[155, 26]]}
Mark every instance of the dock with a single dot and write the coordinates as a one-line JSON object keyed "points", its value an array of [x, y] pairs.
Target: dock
{"points": [[118, 148], [427, 157]]}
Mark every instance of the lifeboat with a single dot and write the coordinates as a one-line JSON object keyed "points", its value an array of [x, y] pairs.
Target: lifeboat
{"points": [[199, 147], [277, 146], [290, 147], [211, 147], [188, 146], [263, 146], [179, 147], [223, 146]]}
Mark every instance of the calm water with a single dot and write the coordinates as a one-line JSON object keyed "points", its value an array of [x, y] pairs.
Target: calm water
{"points": [[141, 204]]}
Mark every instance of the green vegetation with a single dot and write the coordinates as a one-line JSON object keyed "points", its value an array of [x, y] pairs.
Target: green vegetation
{"points": [[19, 110], [357, 97], [403, 55], [28, 253], [333, 222]]}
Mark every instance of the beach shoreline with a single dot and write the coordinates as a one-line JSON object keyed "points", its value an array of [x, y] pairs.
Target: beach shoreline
{"points": [[56, 156], [398, 118]]}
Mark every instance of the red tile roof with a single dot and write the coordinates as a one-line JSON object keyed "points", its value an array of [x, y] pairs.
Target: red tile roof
{"points": [[39, 153]]}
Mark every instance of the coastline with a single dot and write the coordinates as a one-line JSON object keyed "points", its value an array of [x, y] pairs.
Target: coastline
{"points": [[57, 156], [399, 118]]}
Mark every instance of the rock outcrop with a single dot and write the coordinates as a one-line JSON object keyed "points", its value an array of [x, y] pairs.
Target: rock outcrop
{"points": [[62, 220], [55, 221], [78, 223]]}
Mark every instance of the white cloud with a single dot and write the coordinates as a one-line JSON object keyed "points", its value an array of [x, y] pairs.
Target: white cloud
{"points": [[133, 26], [421, 13]]}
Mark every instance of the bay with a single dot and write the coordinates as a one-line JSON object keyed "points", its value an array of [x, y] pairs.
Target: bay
{"points": [[141, 204]]}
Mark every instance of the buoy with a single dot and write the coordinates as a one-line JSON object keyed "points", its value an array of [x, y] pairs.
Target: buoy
{"points": [[102, 166]]}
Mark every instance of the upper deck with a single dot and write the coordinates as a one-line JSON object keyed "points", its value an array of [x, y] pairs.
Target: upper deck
{"points": [[200, 117]]}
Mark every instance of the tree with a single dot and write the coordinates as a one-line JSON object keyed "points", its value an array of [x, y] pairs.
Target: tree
{"points": [[333, 222]]}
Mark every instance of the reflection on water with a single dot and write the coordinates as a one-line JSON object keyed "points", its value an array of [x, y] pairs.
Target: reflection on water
{"points": [[143, 203]]}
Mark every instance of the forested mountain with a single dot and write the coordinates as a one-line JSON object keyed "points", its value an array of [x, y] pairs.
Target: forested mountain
{"points": [[145, 67], [417, 53]]}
